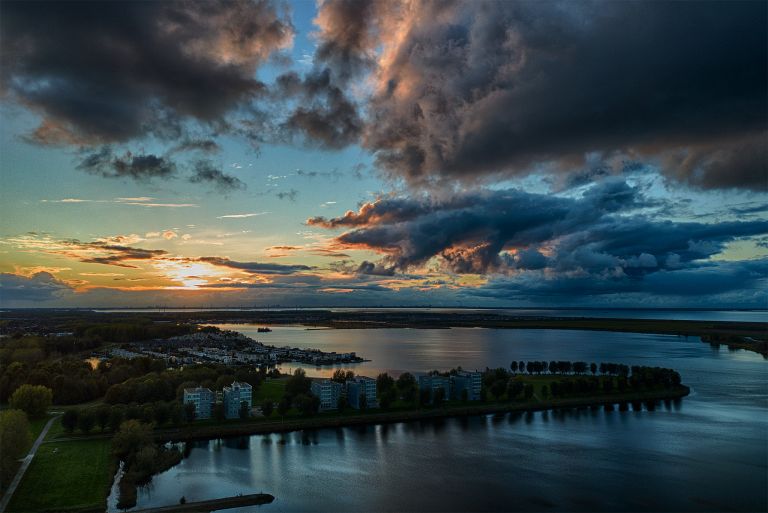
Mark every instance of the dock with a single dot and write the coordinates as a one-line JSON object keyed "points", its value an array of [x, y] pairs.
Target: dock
{"points": [[238, 501]]}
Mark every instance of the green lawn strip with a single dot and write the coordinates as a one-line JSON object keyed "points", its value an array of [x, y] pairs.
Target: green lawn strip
{"points": [[67, 476]]}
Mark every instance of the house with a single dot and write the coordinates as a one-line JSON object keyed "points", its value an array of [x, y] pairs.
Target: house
{"points": [[234, 395], [202, 398], [359, 387], [328, 392]]}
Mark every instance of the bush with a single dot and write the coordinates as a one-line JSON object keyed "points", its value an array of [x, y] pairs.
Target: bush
{"points": [[34, 400]]}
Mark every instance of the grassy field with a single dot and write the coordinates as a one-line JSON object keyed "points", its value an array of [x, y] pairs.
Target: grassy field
{"points": [[272, 389], [66, 476]]}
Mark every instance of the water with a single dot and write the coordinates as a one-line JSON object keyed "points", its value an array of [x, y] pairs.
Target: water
{"points": [[707, 453], [609, 313]]}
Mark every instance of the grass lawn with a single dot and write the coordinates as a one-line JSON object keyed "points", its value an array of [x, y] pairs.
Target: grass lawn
{"points": [[271, 389], [66, 476]]}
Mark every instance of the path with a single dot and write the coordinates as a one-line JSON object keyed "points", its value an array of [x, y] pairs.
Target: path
{"points": [[24, 465], [237, 501]]}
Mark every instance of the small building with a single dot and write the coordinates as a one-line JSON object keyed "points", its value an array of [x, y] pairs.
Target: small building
{"points": [[328, 392], [202, 398], [434, 384], [234, 395], [472, 382], [362, 386]]}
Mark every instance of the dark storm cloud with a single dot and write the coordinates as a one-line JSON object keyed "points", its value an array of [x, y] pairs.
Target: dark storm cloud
{"points": [[202, 145], [113, 71], [467, 90], [373, 269], [254, 267], [508, 230], [744, 281], [206, 172], [138, 167], [346, 37], [41, 286], [324, 115]]}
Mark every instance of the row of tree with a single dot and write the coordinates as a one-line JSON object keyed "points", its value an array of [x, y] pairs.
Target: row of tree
{"points": [[567, 367]]}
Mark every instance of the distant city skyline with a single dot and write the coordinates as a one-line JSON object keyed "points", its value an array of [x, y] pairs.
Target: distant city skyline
{"points": [[383, 153]]}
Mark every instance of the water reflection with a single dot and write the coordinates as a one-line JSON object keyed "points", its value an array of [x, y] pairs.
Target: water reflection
{"points": [[687, 455]]}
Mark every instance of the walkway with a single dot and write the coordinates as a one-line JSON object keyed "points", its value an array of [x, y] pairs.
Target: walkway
{"points": [[237, 501], [24, 465]]}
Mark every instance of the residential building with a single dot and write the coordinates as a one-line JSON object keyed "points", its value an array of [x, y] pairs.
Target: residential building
{"points": [[328, 392], [234, 395], [472, 382], [202, 398], [435, 383], [362, 386]]}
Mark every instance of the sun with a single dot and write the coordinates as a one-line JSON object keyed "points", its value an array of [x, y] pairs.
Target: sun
{"points": [[191, 275]]}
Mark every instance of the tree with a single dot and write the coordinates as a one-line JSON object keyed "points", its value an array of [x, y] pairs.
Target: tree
{"points": [[307, 404], [384, 383], [528, 392], [266, 407], [439, 397], [218, 412], [513, 366], [406, 385], [497, 388], [245, 410], [283, 406], [131, 437], [86, 420], [297, 384], [514, 387], [15, 440], [69, 420], [116, 417], [342, 376], [34, 400], [189, 412], [162, 413], [363, 401], [102, 417], [593, 368]]}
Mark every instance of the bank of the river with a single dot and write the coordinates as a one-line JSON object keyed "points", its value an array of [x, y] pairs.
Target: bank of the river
{"points": [[336, 420], [238, 501]]}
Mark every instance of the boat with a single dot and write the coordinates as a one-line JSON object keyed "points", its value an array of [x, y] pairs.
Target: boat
{"points": [[263, 330]]}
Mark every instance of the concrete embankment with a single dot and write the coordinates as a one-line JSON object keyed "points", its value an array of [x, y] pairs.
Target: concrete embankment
{"points": [[237, 501], [335, 421]]}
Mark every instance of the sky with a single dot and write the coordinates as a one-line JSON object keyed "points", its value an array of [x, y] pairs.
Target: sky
{"points": [[256, 153]]}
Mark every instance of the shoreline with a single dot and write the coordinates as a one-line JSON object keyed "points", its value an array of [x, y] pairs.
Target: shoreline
{"points": [[320, 422]]}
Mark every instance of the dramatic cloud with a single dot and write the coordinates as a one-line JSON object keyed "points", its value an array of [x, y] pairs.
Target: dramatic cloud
{"points": [[206, 172], [509, 231], [717, 283], [254, 267], [137, 167], [466, 90], [41, 286], [325, 116], [113, 71]]}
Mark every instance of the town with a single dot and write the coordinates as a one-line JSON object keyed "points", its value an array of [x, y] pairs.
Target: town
{"points": [[344, 390], [209, 344]]}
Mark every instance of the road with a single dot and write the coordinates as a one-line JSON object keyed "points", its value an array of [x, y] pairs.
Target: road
{"points": [[24, 466]]}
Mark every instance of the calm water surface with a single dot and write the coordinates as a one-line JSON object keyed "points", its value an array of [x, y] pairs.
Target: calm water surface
{"points": [[614, 313], [707, 453]]}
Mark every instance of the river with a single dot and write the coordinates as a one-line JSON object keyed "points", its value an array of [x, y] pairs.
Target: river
{"points": [[708, 452]]}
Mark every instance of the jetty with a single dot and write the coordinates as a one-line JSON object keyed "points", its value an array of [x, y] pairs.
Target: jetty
{"points": [[238, 501]]}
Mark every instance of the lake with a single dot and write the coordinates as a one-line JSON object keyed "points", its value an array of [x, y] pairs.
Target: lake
{"points": [[708, 452], [757, 315]]}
